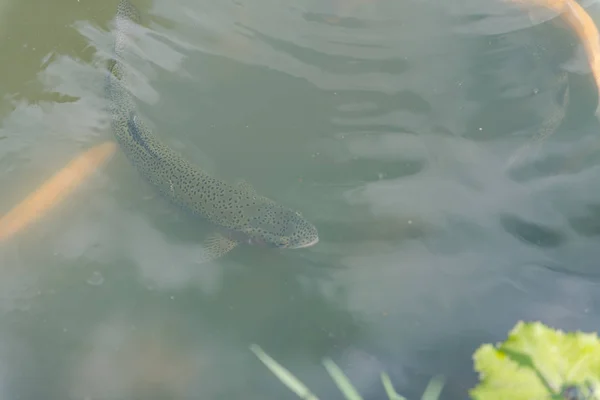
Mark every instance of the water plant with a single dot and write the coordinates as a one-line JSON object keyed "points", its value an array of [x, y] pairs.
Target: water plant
{"points": [[534, 362]]}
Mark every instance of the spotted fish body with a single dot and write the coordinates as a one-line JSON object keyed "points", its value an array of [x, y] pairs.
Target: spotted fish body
{"points": [[244, 215]]}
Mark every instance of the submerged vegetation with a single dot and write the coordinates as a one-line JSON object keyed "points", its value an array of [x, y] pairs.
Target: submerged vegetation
{"points": [[534, 362]]}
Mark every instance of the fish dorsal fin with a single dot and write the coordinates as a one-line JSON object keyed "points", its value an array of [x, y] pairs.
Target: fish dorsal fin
{"points": [[246, 187]]}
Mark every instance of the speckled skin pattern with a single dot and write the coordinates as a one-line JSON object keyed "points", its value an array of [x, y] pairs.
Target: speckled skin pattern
{"points": [[247, 216]]}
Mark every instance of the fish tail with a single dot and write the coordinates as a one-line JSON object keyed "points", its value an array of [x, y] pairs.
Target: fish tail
{"points": [[128, 11], [127, 16]]}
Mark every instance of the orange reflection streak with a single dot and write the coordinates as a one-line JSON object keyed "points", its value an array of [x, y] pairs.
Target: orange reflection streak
{"points": [[55, 190], [584, 27]]}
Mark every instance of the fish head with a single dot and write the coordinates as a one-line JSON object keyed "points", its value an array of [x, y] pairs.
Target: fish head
{"points": [[273, 225]]}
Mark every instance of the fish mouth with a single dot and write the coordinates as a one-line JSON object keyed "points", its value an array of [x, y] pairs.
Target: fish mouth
{"points": [[307, 244]]}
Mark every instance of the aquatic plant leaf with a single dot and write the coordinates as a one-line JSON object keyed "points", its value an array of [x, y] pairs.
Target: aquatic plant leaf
{"points": [[389, 388], [537, 362], [340, 379], [283, 374], [433, 389]]}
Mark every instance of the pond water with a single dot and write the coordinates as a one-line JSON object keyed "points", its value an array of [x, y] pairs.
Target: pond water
{"points": [[446, 152]]}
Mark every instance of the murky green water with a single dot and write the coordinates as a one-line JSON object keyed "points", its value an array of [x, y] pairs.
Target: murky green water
{"points": [[404, 130]]}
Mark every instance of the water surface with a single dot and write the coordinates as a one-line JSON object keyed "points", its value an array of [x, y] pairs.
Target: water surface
{"points": [[446, 153]]}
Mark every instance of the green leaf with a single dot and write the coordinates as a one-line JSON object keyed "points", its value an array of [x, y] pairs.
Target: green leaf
{"points": [[434, 388], [537, 362], [389, 388], [341, 381], [285, 376]]}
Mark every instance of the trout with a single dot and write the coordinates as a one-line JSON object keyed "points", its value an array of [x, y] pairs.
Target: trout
{"points": [[237, 211]]}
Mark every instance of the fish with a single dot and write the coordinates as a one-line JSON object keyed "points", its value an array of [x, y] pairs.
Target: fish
{"points": [[55, 190], [585, 28], [239, 214]]}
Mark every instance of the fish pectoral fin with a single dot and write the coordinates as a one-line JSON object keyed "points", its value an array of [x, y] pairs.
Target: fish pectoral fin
{"points": [[215, 246]]}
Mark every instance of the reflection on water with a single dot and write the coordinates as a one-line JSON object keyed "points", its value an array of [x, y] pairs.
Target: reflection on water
{"points": [[406, 131]]}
